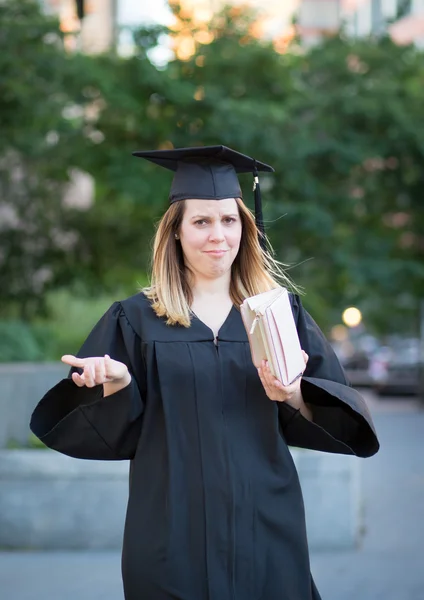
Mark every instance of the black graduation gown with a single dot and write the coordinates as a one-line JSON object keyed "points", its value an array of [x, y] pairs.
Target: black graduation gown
{"points": [[215, 509]]}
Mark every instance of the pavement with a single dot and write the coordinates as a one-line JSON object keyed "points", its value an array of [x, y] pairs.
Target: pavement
{"points": [[388, 565]]}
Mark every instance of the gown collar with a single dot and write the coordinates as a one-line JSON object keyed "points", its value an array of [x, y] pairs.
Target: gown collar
{"points": [[139, 314], [232, 329]]}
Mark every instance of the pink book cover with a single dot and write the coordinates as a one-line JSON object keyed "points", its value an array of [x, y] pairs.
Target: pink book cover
{"points": [[284, 339], [279, 330]]}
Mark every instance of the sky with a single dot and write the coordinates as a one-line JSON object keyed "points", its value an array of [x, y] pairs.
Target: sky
{"points": [[132, 12]]}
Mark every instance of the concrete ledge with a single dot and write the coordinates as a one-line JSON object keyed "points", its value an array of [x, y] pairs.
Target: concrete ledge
{"points": [[50, 501], [332, 495], [22, 385]]}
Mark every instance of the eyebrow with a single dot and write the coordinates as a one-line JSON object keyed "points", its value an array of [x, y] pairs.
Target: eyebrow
{"points": [[208, 216]]}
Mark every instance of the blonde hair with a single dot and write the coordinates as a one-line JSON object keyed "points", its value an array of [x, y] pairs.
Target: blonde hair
{"points": [[253, 271]]}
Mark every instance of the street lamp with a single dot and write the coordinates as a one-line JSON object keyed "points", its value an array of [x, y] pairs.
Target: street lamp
{"points": [[352, 316]]}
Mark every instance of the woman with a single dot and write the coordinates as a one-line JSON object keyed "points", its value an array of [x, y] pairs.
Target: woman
{"points": [[166, 380]]}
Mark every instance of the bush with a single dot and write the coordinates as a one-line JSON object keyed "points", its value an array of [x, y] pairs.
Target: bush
{"points": [[33, 443], [71, 318], [18, 342]]}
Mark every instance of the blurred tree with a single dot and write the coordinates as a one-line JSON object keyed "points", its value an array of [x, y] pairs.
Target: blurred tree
{"points": [[341, 123], [352, 183], [55, 230], [38, 145], [134, 108]]}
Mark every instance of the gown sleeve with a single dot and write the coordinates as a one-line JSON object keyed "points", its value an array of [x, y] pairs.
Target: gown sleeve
{"points": [[341, 421], [80, 421]]}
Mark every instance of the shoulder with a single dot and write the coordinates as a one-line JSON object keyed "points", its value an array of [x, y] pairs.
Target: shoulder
{"points": [[138, 312], [136, 302]]}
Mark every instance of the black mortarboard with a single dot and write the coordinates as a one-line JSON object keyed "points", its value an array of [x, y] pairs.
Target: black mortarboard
{"points": [[209, 173]]}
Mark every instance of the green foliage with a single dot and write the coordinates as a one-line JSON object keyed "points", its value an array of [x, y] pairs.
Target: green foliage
{"points": [[341, 123], [71, 318], [18, 343], [343, 126], [33, 443], [353, 183], [37, 147]]}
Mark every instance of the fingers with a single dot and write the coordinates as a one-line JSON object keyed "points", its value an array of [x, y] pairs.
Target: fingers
{"points": [[273, 387], [262, 377], [89, 377], [270, 380], [305, 357], [72, 360], [78, 379], [96, 370], [107, 367], [99, 371]]}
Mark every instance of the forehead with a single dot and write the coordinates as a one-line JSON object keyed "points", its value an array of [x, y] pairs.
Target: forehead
{"points": [[210, 207]]}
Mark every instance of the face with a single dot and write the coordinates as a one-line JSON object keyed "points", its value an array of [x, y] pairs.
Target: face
{"points": [[210, 236]]}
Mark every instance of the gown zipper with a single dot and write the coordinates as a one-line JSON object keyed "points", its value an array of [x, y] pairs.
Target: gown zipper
{"points": [[229, 474]]}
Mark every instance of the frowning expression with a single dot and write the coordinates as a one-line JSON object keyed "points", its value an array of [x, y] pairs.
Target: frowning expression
{"points": [[210, 235]]}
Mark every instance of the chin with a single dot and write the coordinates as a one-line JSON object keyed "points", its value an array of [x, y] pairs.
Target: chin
{"points": [[220, 269]]}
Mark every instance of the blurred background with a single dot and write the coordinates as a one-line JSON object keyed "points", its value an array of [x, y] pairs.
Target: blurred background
{"points": [[329, 92]]}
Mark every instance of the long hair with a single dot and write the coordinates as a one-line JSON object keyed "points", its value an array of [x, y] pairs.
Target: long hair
{"points": [[253, 271]]}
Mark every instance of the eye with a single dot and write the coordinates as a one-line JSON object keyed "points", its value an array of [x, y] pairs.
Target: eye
{"points": [[230, 220], [200, 222]]}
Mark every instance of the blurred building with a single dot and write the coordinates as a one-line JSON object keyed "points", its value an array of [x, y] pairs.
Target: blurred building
{"points": [[98, 31], [106, 22], [318, 18], [410, 25], [402, 19]]}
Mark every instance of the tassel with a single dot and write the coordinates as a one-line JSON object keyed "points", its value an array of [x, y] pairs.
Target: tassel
{"points": [[258, 209]]}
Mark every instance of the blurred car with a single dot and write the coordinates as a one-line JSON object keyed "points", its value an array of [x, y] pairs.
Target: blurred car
{"points": [[354, 355], [396, 369], [357, 371]]}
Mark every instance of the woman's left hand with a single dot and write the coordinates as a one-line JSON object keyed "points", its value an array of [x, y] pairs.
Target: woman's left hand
{"points": [[276, 391]]}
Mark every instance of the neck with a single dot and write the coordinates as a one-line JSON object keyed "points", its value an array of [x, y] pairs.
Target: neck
{"points": [[219, 287]]}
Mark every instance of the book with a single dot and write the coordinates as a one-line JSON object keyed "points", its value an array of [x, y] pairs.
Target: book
{"points": [[272, 334]]}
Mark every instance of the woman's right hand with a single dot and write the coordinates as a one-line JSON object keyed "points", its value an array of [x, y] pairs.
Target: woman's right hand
{"points": [[98, 370]]}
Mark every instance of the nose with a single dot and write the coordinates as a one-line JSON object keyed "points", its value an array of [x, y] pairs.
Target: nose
{"points": [[217, 233]]}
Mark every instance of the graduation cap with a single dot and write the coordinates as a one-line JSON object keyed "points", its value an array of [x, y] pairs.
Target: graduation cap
{"points": [[209, 173]]}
